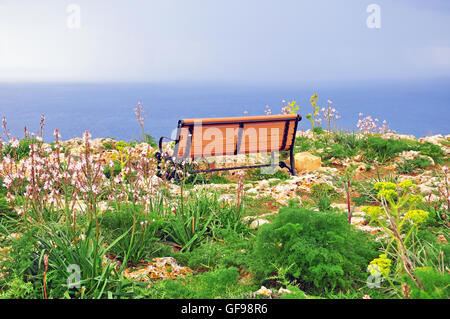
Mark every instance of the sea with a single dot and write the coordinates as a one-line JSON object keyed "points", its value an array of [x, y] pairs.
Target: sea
{"points": [[420, 108]]}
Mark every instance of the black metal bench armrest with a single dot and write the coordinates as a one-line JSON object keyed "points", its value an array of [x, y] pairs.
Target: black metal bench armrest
{"points": [[161, 140]]}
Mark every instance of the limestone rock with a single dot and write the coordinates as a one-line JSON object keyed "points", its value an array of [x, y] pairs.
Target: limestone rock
{"points": [[258, 222], [340, 206], [307, 162]]}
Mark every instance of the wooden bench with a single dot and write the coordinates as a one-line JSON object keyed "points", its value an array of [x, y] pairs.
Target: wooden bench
{"points": [[202, 138]]}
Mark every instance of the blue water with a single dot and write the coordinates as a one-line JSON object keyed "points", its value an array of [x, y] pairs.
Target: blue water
{"points": [[106, 110]]}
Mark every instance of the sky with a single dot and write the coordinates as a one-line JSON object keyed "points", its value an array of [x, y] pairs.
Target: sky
{"points": [[226, 41]]}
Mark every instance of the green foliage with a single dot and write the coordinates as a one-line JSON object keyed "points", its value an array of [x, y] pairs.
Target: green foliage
{"points": [[366, 189], [20, 152], [322, 250], [318, 130], [211, 178], [116, 170], [375, 147], [295, 293], [312, 116], [432, 150], [257, 175], [200, 216], [232, 251], [16, 288], [142, 232], [150, 140], [408, 166], [87, 252], [303, 144], [322, 196], [220, 283], [436, 285]]}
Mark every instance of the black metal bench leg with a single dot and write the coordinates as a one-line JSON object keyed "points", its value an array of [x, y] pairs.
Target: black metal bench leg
{"points": [[291, 155]]}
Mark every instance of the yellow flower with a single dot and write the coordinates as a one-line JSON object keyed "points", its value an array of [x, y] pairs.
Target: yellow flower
{"points": [[415, 200], [380, 266], [417, 216], [406, 184], [314, 99], [373, 211], [385, 185], [387, 194]]}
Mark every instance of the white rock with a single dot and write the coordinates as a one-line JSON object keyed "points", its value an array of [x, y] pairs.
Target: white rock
{"points": [[258, 222]]}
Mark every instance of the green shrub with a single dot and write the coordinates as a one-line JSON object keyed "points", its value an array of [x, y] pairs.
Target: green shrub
{"points": [[232, 251], [116, 170], [322, 196], [408, 166], [150, 140], [321, 249], [318, 130], [257, 175], [436, 285], [376, 147], [220, 283], [303, 144], [22, 151], [432, 150], [142, 233], [16, 288], [200, 216], [97, 277]]}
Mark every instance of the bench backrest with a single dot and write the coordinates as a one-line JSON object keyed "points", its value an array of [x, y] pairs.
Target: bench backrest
{"points": [[200, 138]]}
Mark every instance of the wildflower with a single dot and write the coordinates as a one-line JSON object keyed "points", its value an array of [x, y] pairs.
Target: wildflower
{"points": [[388, 194], [86, 136], [56, 133], [380, 266], [415, 200], [373, 211], [417, 216], [14, 142], [406, 184], [263, 291], [385, 185]]}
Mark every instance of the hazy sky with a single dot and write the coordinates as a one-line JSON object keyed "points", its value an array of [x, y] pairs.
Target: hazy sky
{"points": [[248, 41]]}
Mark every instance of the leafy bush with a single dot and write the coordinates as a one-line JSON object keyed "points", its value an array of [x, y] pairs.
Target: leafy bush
{"points": [[321, 249], [232, 251], [436, 285], [215, 284], [432, 150], [387, 149], [408, 166], [150, 140], [88, 253], [200, 216], [322, 195], [376, 147], [142, 232], [257, 175], [22, 151]]}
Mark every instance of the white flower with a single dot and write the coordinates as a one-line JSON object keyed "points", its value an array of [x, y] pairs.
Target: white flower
{"points": [[14, 142]]}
